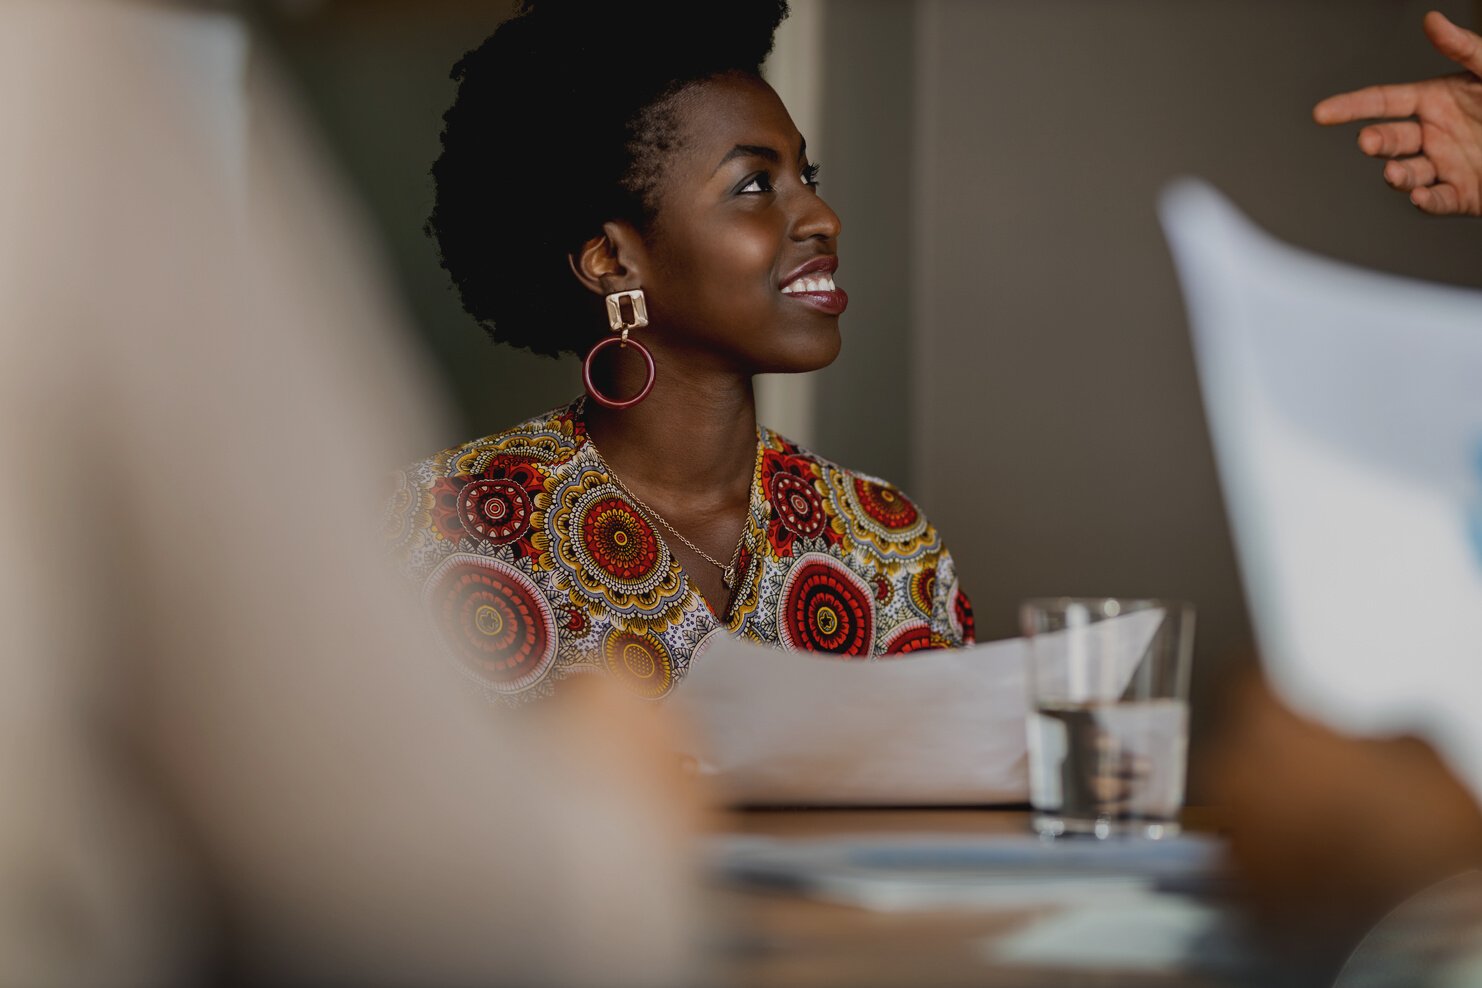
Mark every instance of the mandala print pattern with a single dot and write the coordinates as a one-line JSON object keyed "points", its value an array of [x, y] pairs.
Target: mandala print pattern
{"points": [[885, 510], [538, 567], [497, 511], [826, 607], [493, 506], [641, 663], [882, 520], [494, 620], [912, 636], [604, 549], [549, 439], [609, 533], [790, 483], [922, 587], [960, 614]]}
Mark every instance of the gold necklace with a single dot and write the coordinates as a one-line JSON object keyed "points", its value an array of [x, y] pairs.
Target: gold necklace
{"points": [[728, 574]]}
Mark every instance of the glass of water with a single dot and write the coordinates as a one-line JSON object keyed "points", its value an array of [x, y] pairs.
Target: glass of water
{"points": [[1108, 714]]}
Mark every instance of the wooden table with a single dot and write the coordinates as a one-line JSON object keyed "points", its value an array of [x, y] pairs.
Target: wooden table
{"points": [[772, 939]]}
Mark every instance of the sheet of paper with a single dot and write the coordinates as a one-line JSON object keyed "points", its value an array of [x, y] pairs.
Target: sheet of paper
{"points": [[1140, 931], [1346, 412], [931, 728]]}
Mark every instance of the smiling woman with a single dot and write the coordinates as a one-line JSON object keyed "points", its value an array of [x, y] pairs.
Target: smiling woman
{"points": [[652, 207]]}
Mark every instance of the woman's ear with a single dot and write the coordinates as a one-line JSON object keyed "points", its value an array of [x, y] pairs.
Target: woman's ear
{"points": [[611, 262]]}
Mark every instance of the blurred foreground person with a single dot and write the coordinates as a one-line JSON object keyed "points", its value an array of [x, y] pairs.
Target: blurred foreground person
{"points": [[1437, 155], [1339, 839], [221, 759]]}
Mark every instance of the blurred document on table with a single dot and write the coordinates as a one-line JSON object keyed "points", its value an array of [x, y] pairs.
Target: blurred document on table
{"points": [[930, 871], [940, 727], [1346, 412]]}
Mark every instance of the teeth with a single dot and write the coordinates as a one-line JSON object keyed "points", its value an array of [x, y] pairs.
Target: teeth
{"points": [[823, 284]]}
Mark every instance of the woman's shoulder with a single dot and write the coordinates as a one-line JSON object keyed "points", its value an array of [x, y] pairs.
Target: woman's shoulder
{"points": [[865, 539], [545, 439], [482, 490], [876, 510]]}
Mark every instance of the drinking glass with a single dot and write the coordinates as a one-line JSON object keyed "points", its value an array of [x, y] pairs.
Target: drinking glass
{"points": [[1108, 716]]}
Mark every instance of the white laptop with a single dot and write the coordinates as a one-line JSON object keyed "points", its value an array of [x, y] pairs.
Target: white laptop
{"points": [[1346, 412]]}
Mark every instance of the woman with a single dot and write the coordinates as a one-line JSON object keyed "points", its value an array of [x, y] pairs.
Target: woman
{"points": [[653, 208]]}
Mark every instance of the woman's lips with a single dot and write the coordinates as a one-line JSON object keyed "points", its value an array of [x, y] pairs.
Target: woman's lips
{"points": [[813, 284], [831, 302]]}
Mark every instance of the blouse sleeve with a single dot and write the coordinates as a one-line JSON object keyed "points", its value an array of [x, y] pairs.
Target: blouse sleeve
{"points": [[952, 611]]}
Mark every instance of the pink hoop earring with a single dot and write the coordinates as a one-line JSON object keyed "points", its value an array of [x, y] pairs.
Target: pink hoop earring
{"points": [[598, 396], [621, 325]]}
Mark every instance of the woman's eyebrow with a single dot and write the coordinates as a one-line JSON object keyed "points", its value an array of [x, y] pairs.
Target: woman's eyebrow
{"points": [[759, 151], [749, 151]]}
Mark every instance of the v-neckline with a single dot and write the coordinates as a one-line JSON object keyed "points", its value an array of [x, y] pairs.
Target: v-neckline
{"points": [[754, 534]]}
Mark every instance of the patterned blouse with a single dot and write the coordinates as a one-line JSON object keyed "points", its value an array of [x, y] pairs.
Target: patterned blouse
{"points": [[537, 566]]}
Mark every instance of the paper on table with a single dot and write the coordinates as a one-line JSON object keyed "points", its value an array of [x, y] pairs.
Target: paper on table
{"points": [[1139, 931], [934, 728]]}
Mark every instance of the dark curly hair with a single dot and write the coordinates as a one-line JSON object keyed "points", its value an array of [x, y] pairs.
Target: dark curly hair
{"points": [[562, 122]]}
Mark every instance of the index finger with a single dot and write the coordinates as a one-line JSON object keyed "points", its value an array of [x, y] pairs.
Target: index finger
{"points": [[1371, 103]]}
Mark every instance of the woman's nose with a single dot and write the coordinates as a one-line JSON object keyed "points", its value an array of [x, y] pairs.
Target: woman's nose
{"points": [[815, 218]]}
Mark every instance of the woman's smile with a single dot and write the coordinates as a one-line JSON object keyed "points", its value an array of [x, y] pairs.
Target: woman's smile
{"points": [[813, 284]]}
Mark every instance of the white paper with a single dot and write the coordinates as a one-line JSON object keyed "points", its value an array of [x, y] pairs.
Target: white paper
{"points": [[1346, 412], [1140, 931], [942, 727]]}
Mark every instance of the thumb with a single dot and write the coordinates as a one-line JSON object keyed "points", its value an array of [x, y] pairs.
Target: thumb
{"points": [[1458, 44]]}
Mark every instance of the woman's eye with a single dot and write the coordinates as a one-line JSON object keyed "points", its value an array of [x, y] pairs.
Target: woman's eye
{"points": [[810, 175], [757, 183]]}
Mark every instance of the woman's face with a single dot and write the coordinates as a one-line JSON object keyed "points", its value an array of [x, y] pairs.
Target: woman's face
{"points": [[740, 258]]}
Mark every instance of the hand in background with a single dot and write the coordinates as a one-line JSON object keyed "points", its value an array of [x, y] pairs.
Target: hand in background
{"points": [[1437, 156]]}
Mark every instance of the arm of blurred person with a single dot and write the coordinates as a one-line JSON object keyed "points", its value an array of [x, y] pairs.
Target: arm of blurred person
{"points": [[1329, 832], [220, 753], [1431, 130]]}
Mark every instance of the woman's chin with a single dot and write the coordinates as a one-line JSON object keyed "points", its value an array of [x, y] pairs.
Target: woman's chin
{"points": [[814, 352]]}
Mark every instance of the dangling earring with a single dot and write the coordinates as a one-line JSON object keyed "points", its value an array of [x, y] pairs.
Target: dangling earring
{"points": [[621, 325]]}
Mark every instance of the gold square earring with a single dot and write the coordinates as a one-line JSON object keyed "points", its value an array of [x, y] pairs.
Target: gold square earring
{"points": [[636, 303], [621, 324]]}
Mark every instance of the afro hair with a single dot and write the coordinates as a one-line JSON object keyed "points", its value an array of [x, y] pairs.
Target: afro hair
{"points": [[561, 123]]}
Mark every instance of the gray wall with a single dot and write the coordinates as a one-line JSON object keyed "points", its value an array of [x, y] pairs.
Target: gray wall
{"points": [[1016, 352], [862, 405], [1058, 437]]}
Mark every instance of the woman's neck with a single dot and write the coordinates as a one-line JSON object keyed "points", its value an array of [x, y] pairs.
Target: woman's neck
{"points": [[694, 436]]}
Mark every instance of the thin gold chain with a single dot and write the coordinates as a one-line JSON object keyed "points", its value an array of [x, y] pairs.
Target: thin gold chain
{"points": [[728, 574], [728, 571]]}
